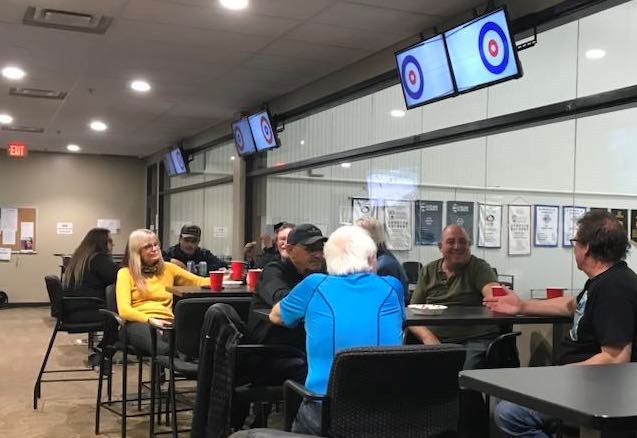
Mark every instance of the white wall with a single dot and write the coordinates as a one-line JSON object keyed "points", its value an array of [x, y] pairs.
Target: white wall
{"points": [[583, 162], [66, 188]]}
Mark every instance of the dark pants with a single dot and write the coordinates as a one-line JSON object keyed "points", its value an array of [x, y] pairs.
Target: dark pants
{"points": [[308, 418], [138, 334]]}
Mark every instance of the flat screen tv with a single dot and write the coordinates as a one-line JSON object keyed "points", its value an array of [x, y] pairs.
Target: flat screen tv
{"points": [[175, 162], [424, 71], [243, 140], [264, 136], [482, 53]]}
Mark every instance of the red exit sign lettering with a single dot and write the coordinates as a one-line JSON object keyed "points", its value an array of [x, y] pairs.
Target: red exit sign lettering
{"points": [[17, 150]]}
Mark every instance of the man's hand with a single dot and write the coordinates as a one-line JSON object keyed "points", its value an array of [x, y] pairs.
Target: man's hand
{"points": [[275, 315], [509, 304], [425, 335], [178, 263]]}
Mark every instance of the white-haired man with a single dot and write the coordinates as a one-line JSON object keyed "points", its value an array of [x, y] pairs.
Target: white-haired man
{"points": [[325, 303]]}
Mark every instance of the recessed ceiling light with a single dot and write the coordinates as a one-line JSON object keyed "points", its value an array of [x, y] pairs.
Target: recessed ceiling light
{"points": [[397, 113], [302, 142], [12, 72], [346, 165], [6, 119], [73, 148], [98, 125], [595, 53], [235, 5], [232, 157], [140, 86]]}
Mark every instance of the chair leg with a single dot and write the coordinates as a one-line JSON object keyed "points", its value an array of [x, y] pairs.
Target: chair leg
{"points": [[173, 401], [37, 391], [98, 405], [139, 383], [153, 391], [124, 391]]}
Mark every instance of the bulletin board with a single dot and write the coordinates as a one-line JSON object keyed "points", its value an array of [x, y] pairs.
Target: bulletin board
{"points": [[24, 228]]}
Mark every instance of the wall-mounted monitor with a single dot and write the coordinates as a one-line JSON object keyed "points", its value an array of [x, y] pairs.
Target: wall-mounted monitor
{"points": [[243, 140], [175, 162], [424, 72], [482, 53], [264, 136]]}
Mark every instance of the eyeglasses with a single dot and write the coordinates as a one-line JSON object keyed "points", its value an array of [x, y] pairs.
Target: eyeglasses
{"points": [[313, 248], [573, 241], [150, 246]]}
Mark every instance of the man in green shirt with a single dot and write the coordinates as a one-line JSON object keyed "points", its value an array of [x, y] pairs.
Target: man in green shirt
{"points": [[457, 279]]}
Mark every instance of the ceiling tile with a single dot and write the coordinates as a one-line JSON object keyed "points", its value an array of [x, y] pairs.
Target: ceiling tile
{"points": [[365, 17], [327, 34]]}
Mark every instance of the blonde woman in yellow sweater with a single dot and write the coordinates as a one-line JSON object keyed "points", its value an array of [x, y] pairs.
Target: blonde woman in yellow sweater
{"points": [[141, 288]]}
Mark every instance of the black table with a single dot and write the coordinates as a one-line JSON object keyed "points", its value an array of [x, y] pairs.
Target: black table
{"points": [[203, 292], [601, 399], [477, 315]]}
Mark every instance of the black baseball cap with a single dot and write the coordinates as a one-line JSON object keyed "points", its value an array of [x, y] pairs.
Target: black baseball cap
{"points": [[191, 231], [305, 234]]}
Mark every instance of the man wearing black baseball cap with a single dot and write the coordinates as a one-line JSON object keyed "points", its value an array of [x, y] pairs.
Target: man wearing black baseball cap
{"points": [[305, 256], [188, 249]]}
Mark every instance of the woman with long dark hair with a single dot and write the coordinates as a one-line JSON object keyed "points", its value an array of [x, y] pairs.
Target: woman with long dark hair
{"points": [[141, 288], [89, 271]]}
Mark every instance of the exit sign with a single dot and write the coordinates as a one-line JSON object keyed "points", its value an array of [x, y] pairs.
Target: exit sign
{"points": [[17, 150]]}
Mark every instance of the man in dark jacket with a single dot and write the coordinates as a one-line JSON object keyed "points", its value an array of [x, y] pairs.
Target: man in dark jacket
{"points": [[188, 249], [304, 256]]}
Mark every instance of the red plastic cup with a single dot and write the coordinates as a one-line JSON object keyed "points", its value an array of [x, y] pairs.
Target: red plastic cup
{"points": [[554, 292], [498, 291], [237, 267], [253, 278], [216, 281]]}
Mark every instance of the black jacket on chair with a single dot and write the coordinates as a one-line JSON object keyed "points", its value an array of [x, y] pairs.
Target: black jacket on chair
{"points": [[221, 332]]}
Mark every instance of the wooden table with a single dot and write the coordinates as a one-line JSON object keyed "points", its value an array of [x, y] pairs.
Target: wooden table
{"points": [[601, 399]]}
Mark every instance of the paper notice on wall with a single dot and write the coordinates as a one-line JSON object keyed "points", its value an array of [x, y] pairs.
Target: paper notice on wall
{"points": [[398, 225], [220, 231], [5, 254], [8, 237], [8, 219], [112, 225], [64, 228], [26, 236]]}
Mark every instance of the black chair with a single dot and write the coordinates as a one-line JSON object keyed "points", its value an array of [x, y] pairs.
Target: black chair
{"points": [[267, 433], [502, 352], [412, 269], [403, 391], [223, 380], [184, 341], [62, 308], [122, 345]]}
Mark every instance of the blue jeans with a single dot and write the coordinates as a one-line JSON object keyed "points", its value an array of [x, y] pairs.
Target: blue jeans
{"points": [[517, 421], [308, 418]]}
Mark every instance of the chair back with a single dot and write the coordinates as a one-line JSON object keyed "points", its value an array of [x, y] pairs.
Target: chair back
{"points": [[502, 352], [403, 391], [412, 269], [110, 298], [55, 290], [189, 317]]}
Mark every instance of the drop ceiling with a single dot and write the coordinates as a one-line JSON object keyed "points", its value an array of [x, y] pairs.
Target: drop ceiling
{"points": [[205, 63]]}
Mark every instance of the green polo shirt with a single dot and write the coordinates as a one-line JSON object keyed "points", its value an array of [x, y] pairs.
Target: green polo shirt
{"points": [[462, 289]]}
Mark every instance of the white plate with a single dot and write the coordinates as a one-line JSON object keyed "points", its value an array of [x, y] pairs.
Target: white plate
{"points": [[427, 309], [232, 283]]}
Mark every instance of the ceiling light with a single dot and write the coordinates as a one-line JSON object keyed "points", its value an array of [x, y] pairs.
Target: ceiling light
{"points": [[397, 113], [98, 125], [302, 142], [12, 72], [140, 86], [235, 5], [6, 119], [346, 165], [232, 157], [73, 148], [595, 53]]}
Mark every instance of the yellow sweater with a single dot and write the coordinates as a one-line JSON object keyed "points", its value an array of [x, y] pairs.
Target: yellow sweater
{"points": [[157, 302]]}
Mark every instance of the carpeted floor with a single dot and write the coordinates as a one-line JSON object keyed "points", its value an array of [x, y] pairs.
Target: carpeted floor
{"points": [[66, 409]]}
